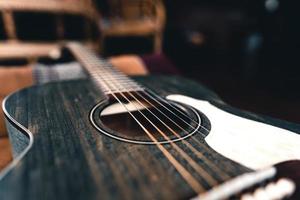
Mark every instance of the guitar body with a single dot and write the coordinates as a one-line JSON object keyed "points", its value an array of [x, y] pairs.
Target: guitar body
{"points": [[59, 154]]}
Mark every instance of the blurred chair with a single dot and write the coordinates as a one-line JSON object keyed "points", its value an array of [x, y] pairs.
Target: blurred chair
{"points": [[33, 28], [135, 18]]}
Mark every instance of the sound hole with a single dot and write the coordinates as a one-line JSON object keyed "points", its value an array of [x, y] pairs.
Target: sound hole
{"points": [[133, 121]]}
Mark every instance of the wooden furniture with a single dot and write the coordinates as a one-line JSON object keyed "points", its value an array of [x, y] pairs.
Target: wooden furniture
{"points": [[12, 50], [135, 18], [33, 50], [13, 46]]}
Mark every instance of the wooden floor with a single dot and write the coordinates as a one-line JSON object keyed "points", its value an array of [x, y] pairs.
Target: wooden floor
{"points": [[5, 152]]}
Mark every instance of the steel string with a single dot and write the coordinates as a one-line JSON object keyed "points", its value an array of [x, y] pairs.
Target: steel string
{"points": [[193, 163], [184, 173], [195, 151]]}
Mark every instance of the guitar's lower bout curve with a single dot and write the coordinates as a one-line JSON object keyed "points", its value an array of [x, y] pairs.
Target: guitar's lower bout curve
{"points": [[21, 139]]}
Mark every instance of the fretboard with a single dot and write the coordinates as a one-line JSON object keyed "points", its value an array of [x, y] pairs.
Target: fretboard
{"points": [[105, 76]]}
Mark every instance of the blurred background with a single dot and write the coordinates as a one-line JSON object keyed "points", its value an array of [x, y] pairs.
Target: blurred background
{"points": [[244, 50]]}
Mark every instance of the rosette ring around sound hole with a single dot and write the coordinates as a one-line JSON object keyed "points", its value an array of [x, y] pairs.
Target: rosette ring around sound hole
{"points": [[167, 121]]}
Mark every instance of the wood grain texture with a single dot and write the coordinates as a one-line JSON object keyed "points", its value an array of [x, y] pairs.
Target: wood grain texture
{"points": [[69, 159]]}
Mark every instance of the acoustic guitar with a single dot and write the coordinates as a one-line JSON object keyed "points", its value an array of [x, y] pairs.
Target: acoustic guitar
{"points": [[117, 137]]}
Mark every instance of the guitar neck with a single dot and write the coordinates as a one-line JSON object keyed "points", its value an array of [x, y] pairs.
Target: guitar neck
{"points": [[109, 79]]}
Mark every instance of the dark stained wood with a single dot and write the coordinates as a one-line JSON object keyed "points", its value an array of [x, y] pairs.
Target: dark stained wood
{"points": [[69, 159]]}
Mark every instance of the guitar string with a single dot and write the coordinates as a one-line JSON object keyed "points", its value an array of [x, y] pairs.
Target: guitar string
{"points": [[196, 167], [148, 94], [217, 169], [115, 70], [178, 110], [185, 174], [198, 187], [144, 98], [192, 162], [195, 151], [194, 184], [118, 71], [198, 153], [165, 101]]}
